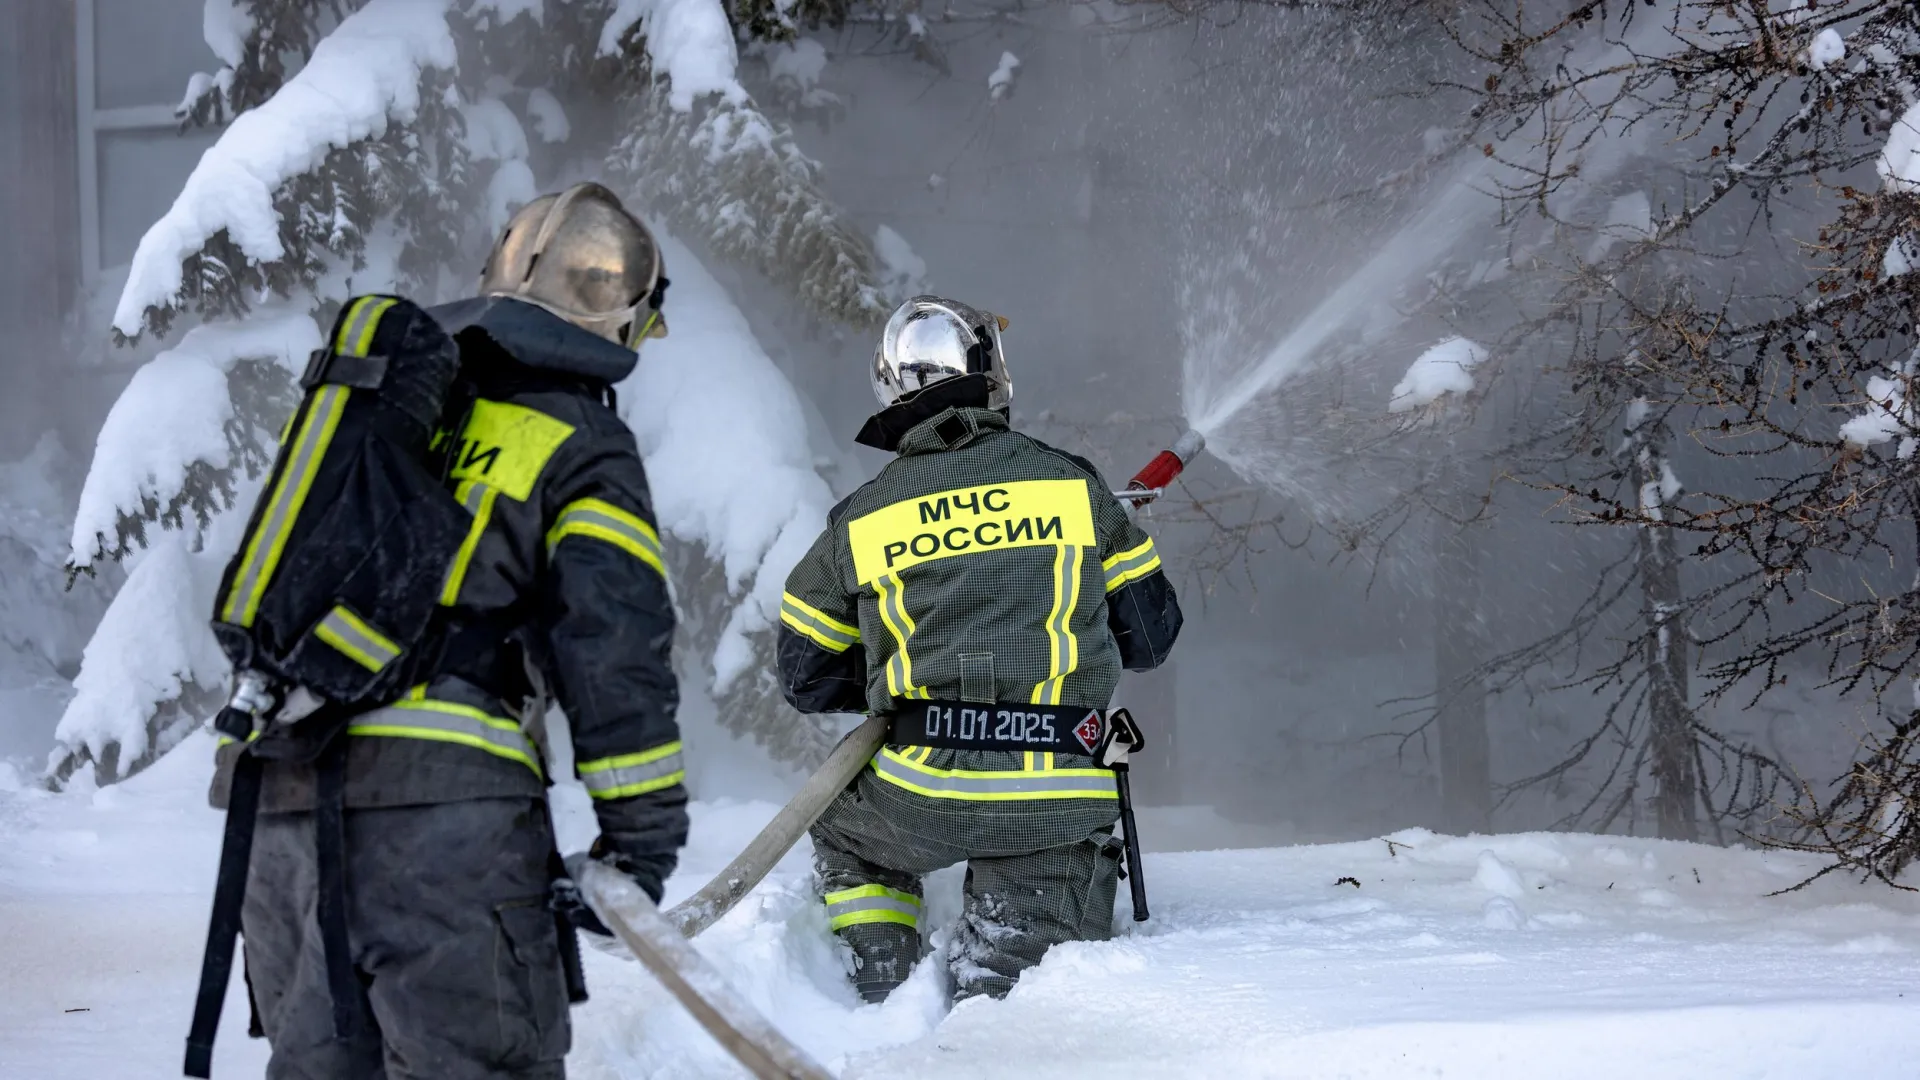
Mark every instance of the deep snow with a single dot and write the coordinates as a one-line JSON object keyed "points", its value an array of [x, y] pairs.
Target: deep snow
{"points": [[1486, 957]]}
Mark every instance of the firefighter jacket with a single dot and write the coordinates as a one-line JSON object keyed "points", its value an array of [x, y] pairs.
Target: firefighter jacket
{"points": [[559, 593], [980, 565]]}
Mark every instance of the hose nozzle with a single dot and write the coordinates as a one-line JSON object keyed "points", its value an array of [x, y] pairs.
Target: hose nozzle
{"points": [[1148, 484]]}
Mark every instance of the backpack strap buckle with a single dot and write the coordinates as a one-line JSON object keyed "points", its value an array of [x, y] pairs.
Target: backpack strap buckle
{"points": [[359, 372]]}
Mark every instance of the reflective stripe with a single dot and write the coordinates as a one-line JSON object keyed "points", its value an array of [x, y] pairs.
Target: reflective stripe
{"points": [[829, 633], [893, 612], [633, 774], [357, 328], [362, 644], [1063, 648], [269, 541], [1011, 785], [478, 499], [1131, 565], [871, 904], [604, 521], [419, 717]]}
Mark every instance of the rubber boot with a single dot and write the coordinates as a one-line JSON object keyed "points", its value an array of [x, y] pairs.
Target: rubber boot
{"points": [[883, 957]]}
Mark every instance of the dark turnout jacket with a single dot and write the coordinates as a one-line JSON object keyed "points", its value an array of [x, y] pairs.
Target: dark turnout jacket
{"points": [[559, 594]]}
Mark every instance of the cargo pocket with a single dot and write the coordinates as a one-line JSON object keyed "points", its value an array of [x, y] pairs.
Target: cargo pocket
{"points": [[530, 990]]}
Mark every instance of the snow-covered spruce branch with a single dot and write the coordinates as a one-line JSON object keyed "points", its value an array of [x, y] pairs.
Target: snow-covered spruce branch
{"points": [[296, 182], [722, 172]]}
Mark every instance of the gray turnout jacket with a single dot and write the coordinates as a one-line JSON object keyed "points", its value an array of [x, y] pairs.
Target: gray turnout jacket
{"points": [[980, 565]]}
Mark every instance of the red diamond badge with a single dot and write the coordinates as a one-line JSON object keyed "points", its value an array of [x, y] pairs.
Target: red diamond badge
{"points": [[1088, 731]]}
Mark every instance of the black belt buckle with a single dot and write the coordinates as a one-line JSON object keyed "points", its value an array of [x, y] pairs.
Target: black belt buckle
{"points": [[1009, 726]]}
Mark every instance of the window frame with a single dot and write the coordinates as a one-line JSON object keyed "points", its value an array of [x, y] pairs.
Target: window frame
{"points": [[92, 122]]}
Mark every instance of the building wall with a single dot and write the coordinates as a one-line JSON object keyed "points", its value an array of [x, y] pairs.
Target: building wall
{"points": [[39, 275]]}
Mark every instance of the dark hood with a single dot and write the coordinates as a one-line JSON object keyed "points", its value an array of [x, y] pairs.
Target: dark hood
{"points": [[538, 338], [885, 429]]}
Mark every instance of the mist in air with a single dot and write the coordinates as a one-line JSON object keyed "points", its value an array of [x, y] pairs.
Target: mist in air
{"points": [[1185, 223]]}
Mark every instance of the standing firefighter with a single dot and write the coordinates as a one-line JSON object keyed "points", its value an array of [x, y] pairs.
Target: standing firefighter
{"points": [[983, 591], [397, 911]]}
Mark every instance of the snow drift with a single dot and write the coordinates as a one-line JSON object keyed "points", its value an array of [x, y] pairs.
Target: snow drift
{"points": [[1414, 954]]}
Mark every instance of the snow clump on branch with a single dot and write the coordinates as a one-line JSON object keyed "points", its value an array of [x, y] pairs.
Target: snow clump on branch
{"points": [[690, 41], [1446, 368], [173, 416], [1000, 83], [1899, 162], [1890, 413], [362, 76]]}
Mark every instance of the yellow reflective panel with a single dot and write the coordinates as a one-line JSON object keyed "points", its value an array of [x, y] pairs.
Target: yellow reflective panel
{"points": [[507, 447], [965, 521]]}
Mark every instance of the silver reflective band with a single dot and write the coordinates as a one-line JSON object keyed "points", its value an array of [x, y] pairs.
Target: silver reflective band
{"points": [[581, 515], [357, 640], [263, 550], [614, 779], [1013, 784], [818, 629], [1131, 567], [842, 908], [445, 721], [357, 331]]}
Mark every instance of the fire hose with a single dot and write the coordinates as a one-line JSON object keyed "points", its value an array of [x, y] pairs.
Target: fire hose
{"points": [[707, 906]]}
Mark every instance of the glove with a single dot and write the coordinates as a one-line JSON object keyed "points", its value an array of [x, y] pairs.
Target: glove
{"points": [[649, 872], [568, 901]]}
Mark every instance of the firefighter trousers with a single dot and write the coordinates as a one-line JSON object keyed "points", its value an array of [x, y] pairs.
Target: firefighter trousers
{"points": [[456, 953], [1038, 874]]}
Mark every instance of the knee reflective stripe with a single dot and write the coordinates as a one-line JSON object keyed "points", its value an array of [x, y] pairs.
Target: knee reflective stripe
{"points": [[362, 644], [1130, 565], [893, 612], [871, 904], [1063, 649], [478, 499], [1012, 785], [822, 629], [606, 522], [633, 774], [419, 717], [269, 541], [357, 328]]}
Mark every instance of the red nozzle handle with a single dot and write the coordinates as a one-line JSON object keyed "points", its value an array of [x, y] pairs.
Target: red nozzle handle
{"points": [[1159, 472], [1168, 464]]}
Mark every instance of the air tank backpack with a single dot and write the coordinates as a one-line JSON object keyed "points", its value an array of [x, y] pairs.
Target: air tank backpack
{"points": [[332, 605]]}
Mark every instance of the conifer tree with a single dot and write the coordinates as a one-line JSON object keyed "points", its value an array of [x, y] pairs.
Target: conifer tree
{"points": [[376, 145]]}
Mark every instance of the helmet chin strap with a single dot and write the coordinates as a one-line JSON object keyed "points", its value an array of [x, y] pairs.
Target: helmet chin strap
{"points": [[654, 299], [980, 353]]}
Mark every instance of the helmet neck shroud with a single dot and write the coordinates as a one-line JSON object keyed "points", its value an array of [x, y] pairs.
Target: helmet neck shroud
{"points": [[534, 338], [884, 429]]}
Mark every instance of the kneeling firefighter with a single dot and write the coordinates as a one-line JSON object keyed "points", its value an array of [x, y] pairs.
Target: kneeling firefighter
{"points": [[399, 912], [984, 591]]}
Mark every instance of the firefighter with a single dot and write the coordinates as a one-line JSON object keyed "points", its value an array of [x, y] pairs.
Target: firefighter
{"points": [[984, 592], [559, 594]]}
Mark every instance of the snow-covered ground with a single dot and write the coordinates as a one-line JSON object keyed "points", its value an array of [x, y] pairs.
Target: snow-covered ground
{"points": [[1490, 958]]}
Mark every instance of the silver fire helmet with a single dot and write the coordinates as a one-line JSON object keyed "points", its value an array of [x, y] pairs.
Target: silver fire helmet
{"points": [[929, 340], [583, 257]]}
